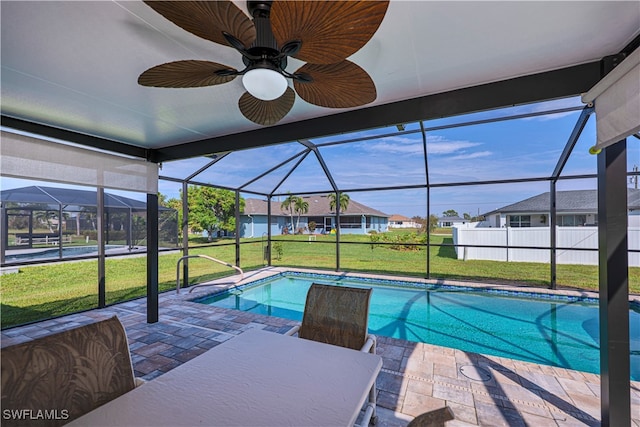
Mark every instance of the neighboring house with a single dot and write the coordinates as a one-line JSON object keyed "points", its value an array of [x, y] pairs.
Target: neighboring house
{"points": [[509, 231], [357, 219], [574, 208], [450, 221], [399, 221]]}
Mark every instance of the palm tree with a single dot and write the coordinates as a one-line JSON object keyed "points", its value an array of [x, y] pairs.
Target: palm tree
{"points": [[301, 207], [289, 204], [344, 201], [45, 218]]}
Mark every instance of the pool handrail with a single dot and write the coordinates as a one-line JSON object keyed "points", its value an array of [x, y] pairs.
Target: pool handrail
{"points": [[235, 267]]}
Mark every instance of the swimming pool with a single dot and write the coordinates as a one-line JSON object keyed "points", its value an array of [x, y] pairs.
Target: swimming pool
{"points": [[70, 251], [546, 329]]}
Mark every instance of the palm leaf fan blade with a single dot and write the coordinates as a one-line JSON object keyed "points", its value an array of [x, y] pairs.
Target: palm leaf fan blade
{"points": [[266, 113], [330, 31], [208, 19], [341, 85], [183, 74]]}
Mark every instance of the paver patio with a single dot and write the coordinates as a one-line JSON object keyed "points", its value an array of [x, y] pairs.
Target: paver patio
{"points": [[481, 390]]}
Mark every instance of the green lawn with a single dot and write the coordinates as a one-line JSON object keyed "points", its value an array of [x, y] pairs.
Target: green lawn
{"points": [[39, 292], [443, 263]]}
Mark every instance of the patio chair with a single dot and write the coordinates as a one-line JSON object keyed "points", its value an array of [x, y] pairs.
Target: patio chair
{"points": [[339, 315], [434, 418], [66, 374]]}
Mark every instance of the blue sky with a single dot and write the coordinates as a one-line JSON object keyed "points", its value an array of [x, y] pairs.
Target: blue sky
{"points": [[513, 149]]}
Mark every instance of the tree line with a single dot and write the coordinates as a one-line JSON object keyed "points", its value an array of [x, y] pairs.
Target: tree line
{"points": [[213, 209]]}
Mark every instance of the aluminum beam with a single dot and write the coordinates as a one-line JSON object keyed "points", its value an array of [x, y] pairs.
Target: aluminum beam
{"points": [[572, 141], [613, 261], [152, 258]]}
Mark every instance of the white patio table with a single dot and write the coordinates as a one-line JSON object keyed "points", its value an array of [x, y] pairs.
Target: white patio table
{"points": [[258, 378]]}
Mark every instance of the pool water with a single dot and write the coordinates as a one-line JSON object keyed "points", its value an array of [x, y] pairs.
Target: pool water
{"points": [[554, 330], [70, 251]]}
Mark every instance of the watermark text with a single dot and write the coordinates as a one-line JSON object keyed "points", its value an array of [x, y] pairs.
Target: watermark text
{"points": [[35, 414]]}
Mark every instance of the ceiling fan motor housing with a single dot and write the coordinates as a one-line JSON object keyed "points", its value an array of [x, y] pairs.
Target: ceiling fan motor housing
{"points": [[265, 45], [262, 7]]}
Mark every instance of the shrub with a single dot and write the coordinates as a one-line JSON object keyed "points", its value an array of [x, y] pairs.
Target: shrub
{"points": [[403, 242], [279, 250], [374, 238]]}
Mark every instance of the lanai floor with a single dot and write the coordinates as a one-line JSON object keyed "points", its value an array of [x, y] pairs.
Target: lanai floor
{"points": [[415, 377]]}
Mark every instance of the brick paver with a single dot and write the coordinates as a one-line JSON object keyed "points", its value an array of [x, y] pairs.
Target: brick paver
{"points": [[415, 378]]}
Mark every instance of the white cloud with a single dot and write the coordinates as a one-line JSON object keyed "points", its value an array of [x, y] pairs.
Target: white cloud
{"points": [[436, 145], [552, 105], [392, 144], [548, 117], [389, 147], [442, 146], [469, 156], [403, 139]]}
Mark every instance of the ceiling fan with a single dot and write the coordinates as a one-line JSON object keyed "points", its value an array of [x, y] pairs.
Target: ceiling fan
{"points": [[321, 33]]}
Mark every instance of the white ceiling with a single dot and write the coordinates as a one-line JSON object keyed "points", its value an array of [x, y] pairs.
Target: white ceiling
{"points": [[74, 64]]}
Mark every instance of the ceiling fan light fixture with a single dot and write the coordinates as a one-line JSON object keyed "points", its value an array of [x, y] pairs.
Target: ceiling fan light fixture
{"points": [[322, 34], [264, 83]]}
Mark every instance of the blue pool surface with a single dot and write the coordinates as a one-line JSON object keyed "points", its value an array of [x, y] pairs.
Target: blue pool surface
{"points": [[54, 253], [546, 329]]}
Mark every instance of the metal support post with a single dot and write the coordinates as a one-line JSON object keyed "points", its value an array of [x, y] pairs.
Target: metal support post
{"points": [[237, 213], [615, 384], [100, 223], [185, 231], [553, 233], [152, 258]]}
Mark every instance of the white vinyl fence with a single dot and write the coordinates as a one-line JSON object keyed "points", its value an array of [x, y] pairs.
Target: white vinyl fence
{"points": [[566, 237]]}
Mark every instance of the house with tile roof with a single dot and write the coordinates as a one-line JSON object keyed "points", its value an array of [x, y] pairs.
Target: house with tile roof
{"points": [[356, 219], [574, 208]]}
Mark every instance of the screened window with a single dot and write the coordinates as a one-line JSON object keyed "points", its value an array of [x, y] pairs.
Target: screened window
{"points": [[572, 220], [520, 221], [350, 222]]}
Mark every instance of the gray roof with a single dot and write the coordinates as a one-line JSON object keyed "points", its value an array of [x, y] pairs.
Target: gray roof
{"points": [[452, 219], [566, 201], [318, 206], [52, 196]]}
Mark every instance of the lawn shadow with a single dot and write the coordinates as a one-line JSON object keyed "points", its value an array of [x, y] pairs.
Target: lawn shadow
{"points": [[15, 316], [447, 251]]}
